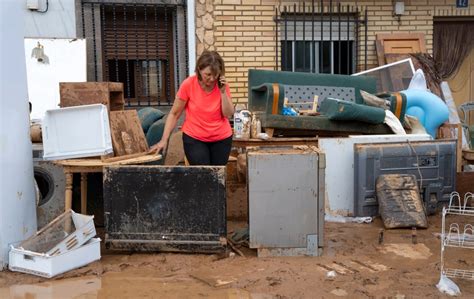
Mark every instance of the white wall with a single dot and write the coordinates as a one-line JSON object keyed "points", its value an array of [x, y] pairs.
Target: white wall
{"points": [[58, 22], [67, 63], [17, 200]]}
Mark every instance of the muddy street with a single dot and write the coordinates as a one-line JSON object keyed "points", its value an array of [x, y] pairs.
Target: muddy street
{"points": [[358, 267]]}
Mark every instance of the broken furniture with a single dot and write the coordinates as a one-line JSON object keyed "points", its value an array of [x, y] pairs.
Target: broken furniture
{"points": [[392, 47], [457, 236], [400, 205], [340, 167], [64, 244], [237, 201], [253, 142], [161, 208], [392, 77], [109, 94], [85, 166], [286, 200], [127, 134], [336, 109], [269, 89], [153, 124], [468, 128], [148, 116], [81, 131], [466, 110], [432, 162]]}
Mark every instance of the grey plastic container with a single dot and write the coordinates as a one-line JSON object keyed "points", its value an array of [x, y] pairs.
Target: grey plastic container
{"points": [[437, 165]]}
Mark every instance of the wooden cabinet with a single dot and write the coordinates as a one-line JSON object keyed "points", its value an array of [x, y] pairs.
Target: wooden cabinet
{"points": [[109, 94]]}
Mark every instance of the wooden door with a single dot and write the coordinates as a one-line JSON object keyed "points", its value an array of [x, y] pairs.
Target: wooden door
{"points": [[398, 44]]}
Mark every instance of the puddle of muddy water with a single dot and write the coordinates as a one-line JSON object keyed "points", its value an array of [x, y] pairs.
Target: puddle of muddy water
{"points": [[124, 285]]}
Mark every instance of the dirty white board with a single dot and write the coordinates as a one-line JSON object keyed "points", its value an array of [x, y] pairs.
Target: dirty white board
{"points": [[339, 186], [67, 63]]}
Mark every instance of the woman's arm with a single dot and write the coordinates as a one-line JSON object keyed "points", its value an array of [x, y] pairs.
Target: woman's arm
{"points": [[173, 116], [226, 104]]}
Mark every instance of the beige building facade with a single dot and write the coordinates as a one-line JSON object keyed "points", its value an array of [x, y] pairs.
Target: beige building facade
{"points": [[245, 31]]}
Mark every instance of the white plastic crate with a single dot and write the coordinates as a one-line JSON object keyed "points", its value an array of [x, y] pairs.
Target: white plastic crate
{"points": [[68, 231], [75, 132], [49, 266]]}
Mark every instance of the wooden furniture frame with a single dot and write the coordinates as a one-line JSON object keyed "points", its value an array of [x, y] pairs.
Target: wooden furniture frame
{"points": [[85, 166]]}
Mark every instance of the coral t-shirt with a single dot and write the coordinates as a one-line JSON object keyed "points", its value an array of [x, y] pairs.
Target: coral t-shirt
{"points": [[204, 119]]}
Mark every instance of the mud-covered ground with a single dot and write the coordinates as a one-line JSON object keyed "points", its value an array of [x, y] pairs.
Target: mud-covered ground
{"points": [[363, 268]]}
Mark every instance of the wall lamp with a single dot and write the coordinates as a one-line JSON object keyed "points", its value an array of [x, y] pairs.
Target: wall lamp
{"points": [[398, 9], [38, 54]]}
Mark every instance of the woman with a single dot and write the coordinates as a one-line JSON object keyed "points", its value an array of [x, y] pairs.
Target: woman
{"points": [[207, 135]]}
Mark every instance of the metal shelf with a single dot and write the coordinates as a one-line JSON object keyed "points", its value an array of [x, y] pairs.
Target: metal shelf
{"points": [[458, 273], [454, 236], [462, 241], [458, 207], [456, 210]]}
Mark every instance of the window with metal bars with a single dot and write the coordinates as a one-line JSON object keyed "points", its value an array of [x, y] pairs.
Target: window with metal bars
{"points": [[319, 39], [136, 44], [331, 57]]}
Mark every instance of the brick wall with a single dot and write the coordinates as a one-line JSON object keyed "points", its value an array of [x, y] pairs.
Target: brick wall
{"points": [[244, 31]]}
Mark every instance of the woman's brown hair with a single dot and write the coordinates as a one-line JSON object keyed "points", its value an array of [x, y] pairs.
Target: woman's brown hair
{"points": [[212, 59]]}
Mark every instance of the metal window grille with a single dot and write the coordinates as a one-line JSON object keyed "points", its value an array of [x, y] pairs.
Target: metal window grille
{"points": [[135, 43], [317, 38]]}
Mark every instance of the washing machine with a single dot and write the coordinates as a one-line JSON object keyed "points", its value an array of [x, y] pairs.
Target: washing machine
{"points": [[51, 183]]}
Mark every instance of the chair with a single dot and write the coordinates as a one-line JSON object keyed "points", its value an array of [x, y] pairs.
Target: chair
{"points": [[466, 108]]}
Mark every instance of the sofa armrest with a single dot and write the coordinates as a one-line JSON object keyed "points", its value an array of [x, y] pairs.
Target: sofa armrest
{"points": [[268, 97]]}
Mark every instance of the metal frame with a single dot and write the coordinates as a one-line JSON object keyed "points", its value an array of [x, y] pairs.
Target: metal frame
{"points": [[453, 237], [388, 65], [91, 21], [287, 15]]}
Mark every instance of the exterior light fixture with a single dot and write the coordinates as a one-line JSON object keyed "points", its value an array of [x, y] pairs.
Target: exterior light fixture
{"points": [[38, 54], [398, 9]]}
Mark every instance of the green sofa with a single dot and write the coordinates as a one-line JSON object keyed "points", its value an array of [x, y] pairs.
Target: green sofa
{"points": [[267, 91]]}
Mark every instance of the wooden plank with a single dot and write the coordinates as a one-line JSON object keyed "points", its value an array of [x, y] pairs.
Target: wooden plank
{"points": [[243, 143], [121, 158], [175, 151], [83, 165], [127, 133], [464, 183], [380, 52]]}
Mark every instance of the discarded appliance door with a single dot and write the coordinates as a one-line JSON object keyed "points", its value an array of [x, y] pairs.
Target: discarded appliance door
{"points": [[286, 201], [66, 232], [48, 266], [399, 201], [434, 160], [75, 132], [160, 208]]}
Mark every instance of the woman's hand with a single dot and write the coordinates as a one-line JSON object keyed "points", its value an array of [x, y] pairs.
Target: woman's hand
{"points": [[222, 83], [157, 148]]}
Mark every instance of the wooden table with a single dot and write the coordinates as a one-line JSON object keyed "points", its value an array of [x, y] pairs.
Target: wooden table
{"points": [[85, 166], [274, 141]]}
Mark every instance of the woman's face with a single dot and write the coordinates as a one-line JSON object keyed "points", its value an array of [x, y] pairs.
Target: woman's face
{"points": [[208, 77]]}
